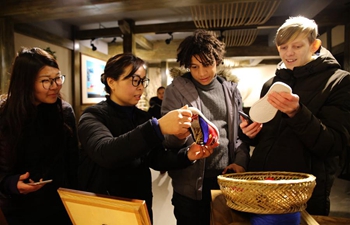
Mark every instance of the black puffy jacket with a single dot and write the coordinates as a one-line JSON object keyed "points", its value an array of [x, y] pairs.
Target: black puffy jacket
{"points": [[119, 145], [310, 141], [47, 148]]}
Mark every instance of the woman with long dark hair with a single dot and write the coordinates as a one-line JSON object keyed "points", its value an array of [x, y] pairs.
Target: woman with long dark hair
{"points": [[38, 142]]}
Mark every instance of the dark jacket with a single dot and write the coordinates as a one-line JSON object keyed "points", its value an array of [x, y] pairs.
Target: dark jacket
{"points": [[155, 106], [310, 141], [189, 181], [46, 149], [119, 145]]}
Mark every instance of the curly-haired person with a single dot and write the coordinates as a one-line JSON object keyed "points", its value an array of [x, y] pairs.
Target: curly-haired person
{"points": [[219, 100]]}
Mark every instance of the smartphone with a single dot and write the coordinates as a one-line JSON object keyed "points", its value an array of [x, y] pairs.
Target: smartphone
{"points": [[40, 182], [245, 116]]}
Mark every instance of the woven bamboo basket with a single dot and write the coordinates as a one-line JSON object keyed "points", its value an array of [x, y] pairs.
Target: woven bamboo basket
{"points": [[267, 192]]}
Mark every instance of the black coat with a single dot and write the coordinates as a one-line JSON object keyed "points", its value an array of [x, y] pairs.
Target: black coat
{"points": [[46, 149], [119, 145], [155, 107], [310, 141]]}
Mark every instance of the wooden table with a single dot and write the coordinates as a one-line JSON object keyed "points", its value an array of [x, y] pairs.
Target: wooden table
{"points": [[221, 214]]}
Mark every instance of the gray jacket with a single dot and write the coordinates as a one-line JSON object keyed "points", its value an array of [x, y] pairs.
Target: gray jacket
{"points": [[181, 91]]}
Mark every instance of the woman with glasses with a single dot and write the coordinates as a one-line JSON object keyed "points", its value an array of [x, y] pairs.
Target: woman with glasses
{"points": [[120, 142], [38, 142]]}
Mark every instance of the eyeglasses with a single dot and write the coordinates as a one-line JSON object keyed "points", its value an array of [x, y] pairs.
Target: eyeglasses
{"points": [[137, 80], [47, 83]]}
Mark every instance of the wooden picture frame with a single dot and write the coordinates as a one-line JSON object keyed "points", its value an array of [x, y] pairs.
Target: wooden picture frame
{"points": [[92, 89], [90, 208]]}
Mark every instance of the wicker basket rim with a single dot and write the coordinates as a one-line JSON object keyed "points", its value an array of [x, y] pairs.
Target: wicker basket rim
{"points": [[308, 178]]}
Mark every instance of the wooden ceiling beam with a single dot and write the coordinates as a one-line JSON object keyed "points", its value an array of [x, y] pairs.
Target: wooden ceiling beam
{"points": [[253, 50], [43, 35], [43, 8], [39, 8], [189, 26], [143, 42], [105, 32], [152, 28]]}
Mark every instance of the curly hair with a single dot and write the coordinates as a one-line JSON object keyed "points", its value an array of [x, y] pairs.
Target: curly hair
{"points": [[204, 46]]}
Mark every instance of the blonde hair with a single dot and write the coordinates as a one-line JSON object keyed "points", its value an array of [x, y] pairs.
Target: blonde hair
{"points": [[295, 26]]}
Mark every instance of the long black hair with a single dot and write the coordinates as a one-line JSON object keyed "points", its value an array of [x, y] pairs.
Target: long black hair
{"points": [[19, 104]]}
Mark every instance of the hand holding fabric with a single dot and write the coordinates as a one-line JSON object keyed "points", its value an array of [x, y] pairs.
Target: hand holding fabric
{"points": [[176, 122], [196, 152]]}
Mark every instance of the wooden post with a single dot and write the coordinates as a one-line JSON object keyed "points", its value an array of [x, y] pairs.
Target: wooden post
{"points": [[127, 28], [7, 52], [76, 75]]}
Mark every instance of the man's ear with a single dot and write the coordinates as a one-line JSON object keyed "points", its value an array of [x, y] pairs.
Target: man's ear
{"points": [[316, 45]]}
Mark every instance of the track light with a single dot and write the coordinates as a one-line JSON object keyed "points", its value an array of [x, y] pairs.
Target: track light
{"points": [[113, 40], [167, 41], [93, 47]]}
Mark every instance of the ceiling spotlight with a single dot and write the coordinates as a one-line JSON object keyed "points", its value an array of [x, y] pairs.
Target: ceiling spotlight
{"points": [[167, 41], [93, 47], [113, 40]]}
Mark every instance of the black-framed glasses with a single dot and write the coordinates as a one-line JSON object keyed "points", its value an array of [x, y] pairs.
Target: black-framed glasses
{"points": [[47, 83], [137, 80]]}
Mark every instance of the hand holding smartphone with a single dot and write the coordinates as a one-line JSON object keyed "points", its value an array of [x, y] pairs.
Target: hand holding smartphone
{"points": [[40, 182], [246, 117]]}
